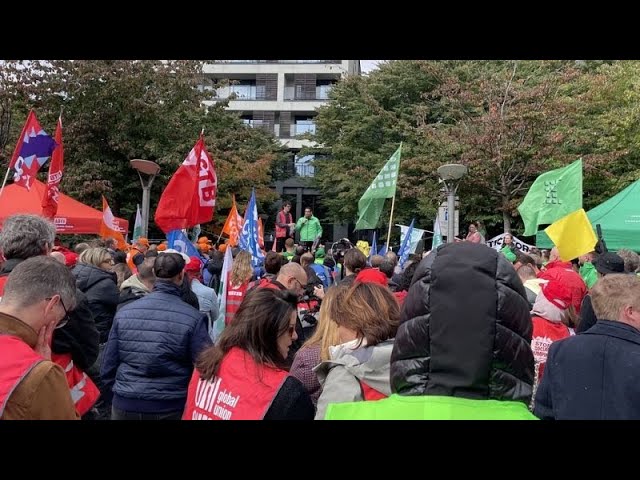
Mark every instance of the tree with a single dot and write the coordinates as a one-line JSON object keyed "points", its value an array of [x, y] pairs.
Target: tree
{"points": [[502, 121], [117, 110]]}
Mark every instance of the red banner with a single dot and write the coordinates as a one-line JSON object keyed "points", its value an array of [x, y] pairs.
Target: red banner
{"points": [[51, 195]]}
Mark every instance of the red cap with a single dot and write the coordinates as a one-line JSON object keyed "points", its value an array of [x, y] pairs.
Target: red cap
{"points": [[193, 265], [557, 293], [372, 275]]}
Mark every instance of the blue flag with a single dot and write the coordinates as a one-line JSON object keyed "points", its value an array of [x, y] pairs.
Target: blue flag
{"points": [[180, 242], [383, 250], [405, 248], [249, 235], [374, 247]]}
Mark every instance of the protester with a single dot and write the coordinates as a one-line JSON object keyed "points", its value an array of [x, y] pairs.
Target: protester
{"points": [[605, 264], [556, 269], [631, 260], [596, 375], [316, 348], [284, 226], [37, 297], [207, 298], [354, 263], [152, 347], [473, 235], [531, 283], [451, 361], [138, 285], [239, 278], [587, 271], [249, 364], [358, 367]]}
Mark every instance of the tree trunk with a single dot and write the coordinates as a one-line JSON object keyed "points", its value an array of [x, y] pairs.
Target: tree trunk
{"points": [[507, 222]]}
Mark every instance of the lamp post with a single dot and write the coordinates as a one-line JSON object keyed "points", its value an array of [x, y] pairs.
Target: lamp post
{"points": [[450, 175], [150, 170]]}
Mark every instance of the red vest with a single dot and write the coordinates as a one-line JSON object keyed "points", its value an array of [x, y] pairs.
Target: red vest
{"points": [[17, 360], [3, 281], [544, 334], [84, 392], [242, 390], [234, 299], [282, 232]]}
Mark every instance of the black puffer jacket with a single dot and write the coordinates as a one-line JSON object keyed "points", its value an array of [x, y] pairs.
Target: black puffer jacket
{"points": [[465, 328], [101, 290]]}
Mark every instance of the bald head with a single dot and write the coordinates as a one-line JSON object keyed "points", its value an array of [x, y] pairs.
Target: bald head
{"points": [[554, 254], [59, 257], [293, 277]]}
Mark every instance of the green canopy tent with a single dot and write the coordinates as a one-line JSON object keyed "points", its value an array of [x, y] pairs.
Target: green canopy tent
{"points": [[619, 218]]}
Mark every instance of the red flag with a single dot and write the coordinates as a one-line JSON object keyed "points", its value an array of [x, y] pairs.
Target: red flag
{"points": [[190, 196], [56, 167], [109, 227], [32, 151]]}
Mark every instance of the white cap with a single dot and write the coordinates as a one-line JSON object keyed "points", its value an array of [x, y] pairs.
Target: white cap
{"points": [[183, 255]]}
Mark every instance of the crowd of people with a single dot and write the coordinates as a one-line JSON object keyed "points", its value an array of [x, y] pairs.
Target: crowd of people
{"points": [[461, 332]]}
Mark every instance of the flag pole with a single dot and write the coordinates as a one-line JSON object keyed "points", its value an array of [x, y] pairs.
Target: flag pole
{"points": [[6, 177], [393, 204]]}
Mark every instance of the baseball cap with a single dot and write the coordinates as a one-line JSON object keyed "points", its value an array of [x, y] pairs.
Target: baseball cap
{"points": [[609, 262], [184, 256]]}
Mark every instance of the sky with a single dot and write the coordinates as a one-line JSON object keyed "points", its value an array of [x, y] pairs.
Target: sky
{"points": [[367, 65]]}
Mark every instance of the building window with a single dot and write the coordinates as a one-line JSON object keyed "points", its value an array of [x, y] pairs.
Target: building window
{"points": [[304, 165]]}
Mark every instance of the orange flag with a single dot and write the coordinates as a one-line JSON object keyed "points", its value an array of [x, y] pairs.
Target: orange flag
{"points": [[109, 227], [233, 224], [260, 234]]}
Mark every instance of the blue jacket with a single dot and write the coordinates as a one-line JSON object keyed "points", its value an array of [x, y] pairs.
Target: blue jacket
{"points": [[592, 376], [152, 347]]}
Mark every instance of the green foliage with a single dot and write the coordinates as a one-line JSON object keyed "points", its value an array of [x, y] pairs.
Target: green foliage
{"points": [[114, 111]]}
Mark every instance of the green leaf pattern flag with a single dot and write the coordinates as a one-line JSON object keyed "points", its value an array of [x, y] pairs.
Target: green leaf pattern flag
{"points": [[383, 186], [553, 195]]}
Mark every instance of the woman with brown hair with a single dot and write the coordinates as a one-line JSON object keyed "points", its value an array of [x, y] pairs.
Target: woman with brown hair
{"points": [[244, 376], [316, 349], [358, 368], [239, 278]]}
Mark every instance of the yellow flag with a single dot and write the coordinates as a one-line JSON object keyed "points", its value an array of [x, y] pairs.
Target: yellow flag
{"points": [[573, 235]]}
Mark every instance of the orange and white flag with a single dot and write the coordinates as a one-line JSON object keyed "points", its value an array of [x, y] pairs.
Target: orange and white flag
{"points": [[233, 224], [109, 227]]}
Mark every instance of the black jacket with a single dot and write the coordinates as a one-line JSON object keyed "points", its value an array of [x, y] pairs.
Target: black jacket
{"points": [[79, 336], [291, 403], [465, 328], [592, 376], [101, 290]]}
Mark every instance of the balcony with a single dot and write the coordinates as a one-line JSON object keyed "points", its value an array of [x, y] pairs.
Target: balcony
{"points": [[242, 92], [296, 93], [304, 62], [302, 128]]}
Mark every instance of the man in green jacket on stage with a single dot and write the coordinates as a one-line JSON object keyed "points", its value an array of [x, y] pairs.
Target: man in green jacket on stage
{"points": [[310, 230]]}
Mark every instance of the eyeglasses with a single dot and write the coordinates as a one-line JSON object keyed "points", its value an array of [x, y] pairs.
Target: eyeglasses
{"points": [[65, 319], [299, 282]]}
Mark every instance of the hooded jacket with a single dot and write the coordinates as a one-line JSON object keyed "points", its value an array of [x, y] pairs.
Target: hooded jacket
{"points": [[349, 372], [101, 290], [463, 344]]}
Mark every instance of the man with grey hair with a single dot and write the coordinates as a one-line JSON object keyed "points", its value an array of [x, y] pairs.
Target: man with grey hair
{"points": [[38, 295], [22, 237], [596, 375], [28, 236], [631, 260]]}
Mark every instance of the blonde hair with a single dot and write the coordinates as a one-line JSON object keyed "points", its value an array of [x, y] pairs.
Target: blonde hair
{"points": [[326, 333], [612, 293], [95, 256], [241, 272]]}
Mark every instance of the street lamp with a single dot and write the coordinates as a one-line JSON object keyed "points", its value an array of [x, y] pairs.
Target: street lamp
{"points": [[150, 170], [451, 174]]}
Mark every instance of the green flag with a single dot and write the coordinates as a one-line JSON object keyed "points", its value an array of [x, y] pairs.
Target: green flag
{"points": [[437, 235], [137, 228], [553, 195], [383, 186]]}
